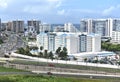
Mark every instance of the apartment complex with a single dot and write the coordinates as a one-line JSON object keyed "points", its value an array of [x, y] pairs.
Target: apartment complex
{"points": [[104, 27], [115, 37], [17, 26], [44, 28], [34, 23], [74, 42], [69, 27]]}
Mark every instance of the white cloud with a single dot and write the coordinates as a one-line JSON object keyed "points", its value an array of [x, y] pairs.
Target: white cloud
{"points": [[46, 6], [61, 12], [111, 10], [58, 4], [3, 3]]}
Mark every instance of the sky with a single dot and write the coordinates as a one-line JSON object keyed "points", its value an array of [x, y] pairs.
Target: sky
{"points": [[58, 11]]}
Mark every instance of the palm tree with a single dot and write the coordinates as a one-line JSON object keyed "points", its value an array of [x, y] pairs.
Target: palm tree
{"points": [[51, 55], [63, 54], [58, 50], [41, 53], [41, 48]]}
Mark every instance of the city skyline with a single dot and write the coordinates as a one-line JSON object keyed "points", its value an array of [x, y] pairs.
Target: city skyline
{"points": [[58, 11]]}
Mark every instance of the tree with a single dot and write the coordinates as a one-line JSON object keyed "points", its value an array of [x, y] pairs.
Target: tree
{"points": [[74, 58], [34, 48], [41, 48], [51, 55], [45, 54], [21, 51], [58, 50], [41, 53], [27, 50], [85, 59], [1, 41], [63, 54]]}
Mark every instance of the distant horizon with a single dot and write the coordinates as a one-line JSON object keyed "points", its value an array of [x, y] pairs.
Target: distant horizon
{"points": [[3, 21]]}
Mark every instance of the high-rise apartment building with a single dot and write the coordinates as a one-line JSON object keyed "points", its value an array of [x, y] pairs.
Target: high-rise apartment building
{"points": [[58, 29], [18, 26], [115, 37], [44, 28], [69, 27], [3, 26], [103, 27], [9, 26], [83, 43], [116, 25], [89, 43], [35, 24]]}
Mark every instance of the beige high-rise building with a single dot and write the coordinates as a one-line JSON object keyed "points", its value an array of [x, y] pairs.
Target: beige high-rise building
{"points": [[9, 26], [35, 24], [18, 26]]}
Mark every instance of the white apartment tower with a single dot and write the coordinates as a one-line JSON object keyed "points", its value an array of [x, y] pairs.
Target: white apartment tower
{"points": [[44, 28], [103, 27], [89, 43], [69, 27]]}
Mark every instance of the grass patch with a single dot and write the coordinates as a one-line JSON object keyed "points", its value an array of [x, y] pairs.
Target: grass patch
{"points": [[31, 78], [4, 69]]}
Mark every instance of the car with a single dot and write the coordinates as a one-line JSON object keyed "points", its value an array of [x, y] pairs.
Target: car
{"points": [[49, 73], [51, 65]]}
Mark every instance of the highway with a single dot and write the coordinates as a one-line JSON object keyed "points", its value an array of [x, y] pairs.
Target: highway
{"points": [[57, 70], [78, 74]]}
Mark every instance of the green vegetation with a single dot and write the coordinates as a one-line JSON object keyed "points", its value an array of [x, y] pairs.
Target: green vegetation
{"points": [[45, 54], [4, 69], [40, 78], [110, 47], [32, 39], [34, 48], [62, 54], [25, 51], [1, 41]]}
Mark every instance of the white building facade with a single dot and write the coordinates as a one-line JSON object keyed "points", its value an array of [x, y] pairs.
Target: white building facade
{"points": [[75, 43], [69, 27], [44, 28], [115, 37], [103, 27]]}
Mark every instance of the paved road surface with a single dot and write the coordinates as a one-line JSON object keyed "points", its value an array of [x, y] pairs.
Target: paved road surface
{"points": [[78, 74]]}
